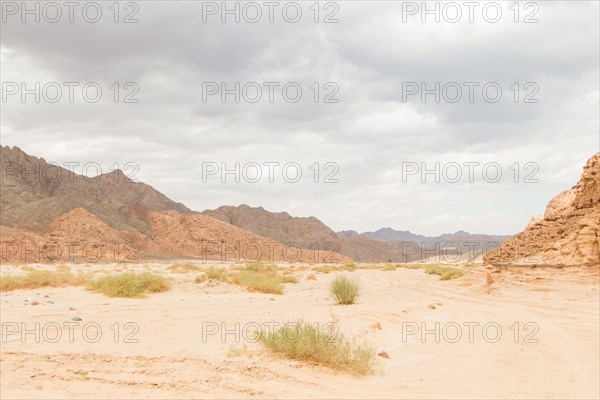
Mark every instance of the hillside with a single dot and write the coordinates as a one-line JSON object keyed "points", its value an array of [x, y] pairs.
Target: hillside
{"points": [[49, 214]]}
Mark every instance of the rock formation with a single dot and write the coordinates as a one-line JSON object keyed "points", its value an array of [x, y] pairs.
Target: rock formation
{"points": [[567, 233]]}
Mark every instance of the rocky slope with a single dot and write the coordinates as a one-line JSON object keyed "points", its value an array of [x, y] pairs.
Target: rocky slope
{"points": [[566, 234], [34, 192], [49, 214], [310, 233]]}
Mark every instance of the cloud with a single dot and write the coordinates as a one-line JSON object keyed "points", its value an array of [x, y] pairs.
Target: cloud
{"points": [[371, 132]]}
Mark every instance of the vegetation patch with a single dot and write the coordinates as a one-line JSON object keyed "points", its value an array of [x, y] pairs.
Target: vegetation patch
{"points": [[306, 342], [184, 268], [344, 290], [445, 273], [255, 277], [129, 284], [38, 279]]}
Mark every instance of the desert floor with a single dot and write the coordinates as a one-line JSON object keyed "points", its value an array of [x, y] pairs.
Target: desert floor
{"points": [[548, 346]]}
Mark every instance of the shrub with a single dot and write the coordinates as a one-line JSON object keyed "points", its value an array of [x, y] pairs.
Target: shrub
{"points": [[183, 268], [344, 290], [303, 341], [445, 273], [217, 274], [256, 277], [129, 284], [38, 279], [259, 282]]}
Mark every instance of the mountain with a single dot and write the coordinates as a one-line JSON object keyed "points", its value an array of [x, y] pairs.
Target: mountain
{"points": [[391, 235], [34, 192], [48, 213], [309, 233], [566, 234]]}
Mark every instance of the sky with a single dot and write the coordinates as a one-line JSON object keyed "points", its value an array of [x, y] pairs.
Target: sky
{"points": [[362, 114]]}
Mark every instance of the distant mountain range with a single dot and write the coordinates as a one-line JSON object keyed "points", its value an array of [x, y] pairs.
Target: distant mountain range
{"points": [[383, 245], [391, 235]]}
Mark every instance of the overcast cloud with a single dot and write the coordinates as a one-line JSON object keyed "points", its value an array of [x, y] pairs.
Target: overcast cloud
{"points": [[369, 55]]}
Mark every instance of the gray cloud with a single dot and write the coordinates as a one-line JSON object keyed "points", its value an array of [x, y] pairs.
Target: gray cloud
{"points": [[369, 133]]}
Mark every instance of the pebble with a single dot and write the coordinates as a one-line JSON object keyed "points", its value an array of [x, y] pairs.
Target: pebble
{"points": [[34, 303], [72, 309], [50, 302], [383, 354], [75, 319]]}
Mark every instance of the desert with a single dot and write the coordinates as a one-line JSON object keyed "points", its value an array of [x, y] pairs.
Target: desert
{"points": [[190, 342], [299, 200]]}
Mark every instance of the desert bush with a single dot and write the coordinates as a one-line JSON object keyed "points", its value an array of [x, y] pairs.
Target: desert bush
{"points": [[445, 273], [303, 341], [255, 277], [38, 279], [259, 282], [183, 268], [129, 284], [344, 290], [311, 277], [217, 274]]}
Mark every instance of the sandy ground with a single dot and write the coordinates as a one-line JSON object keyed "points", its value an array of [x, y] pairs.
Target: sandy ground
{"points": [[160, 346]]}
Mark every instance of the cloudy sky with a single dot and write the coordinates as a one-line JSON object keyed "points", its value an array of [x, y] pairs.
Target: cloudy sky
{"points": [[366, 118]]}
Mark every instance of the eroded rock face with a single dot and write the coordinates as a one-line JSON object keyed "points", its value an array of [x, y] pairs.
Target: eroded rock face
{"points": [[568, 232]]}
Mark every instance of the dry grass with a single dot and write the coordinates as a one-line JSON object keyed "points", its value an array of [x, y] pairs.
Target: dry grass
{"points": [[306, 342], [129, 284], [311, 277], [184, 268], [38, 279], [344, 290], [255, 277], [212, 273], [445, 273]]}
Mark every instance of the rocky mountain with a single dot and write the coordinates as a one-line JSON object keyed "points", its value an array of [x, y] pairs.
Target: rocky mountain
{"points": [[34, 192], [48, 213], [309, 233], [392, 235], [566, 234]]}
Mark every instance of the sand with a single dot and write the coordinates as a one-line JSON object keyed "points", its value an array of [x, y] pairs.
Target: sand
{"points": [[555, 356]]}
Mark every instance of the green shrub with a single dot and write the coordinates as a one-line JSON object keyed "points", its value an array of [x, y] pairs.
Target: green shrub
{"points": [[445, 273], [344, 290], [129, 284], [305, 342]]}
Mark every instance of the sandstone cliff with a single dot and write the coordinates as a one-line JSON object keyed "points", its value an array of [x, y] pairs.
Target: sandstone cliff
{"points": [[567, 233]]}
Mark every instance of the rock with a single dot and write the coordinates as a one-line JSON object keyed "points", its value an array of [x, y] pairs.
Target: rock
{"points": [[50, 302], [432, 306], [383, 354], [377, 326], [76, 319], [72, 309], [568, 232], [34, 303]]}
